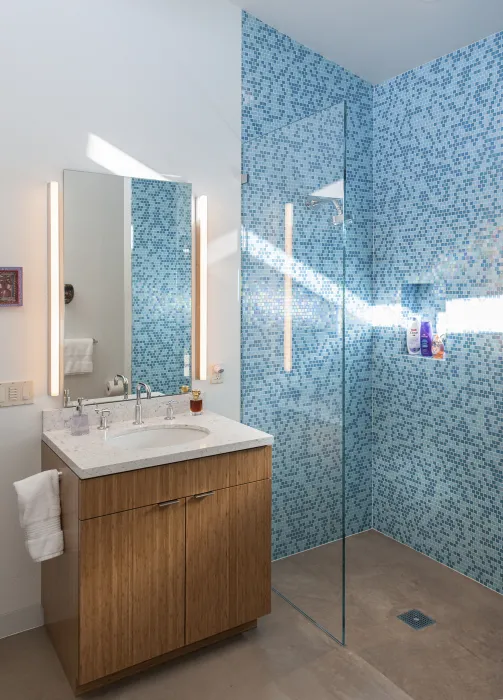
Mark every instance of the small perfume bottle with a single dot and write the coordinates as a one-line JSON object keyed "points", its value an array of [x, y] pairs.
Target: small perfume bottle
{"points": [[79, 424], [196, 403]]}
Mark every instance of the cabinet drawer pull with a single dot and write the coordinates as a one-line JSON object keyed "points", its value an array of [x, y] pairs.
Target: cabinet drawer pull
{"points": [[205, 495], [165, 504]]}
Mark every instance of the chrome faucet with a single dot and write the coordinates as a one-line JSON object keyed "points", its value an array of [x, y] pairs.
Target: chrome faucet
{"points": [[138, 419], [125, 384]]}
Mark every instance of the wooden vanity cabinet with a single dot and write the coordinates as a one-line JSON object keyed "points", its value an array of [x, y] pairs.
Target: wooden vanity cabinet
{"points": [[158, 562]]}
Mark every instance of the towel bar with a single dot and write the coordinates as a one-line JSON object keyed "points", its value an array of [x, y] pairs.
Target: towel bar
{"points": [[60, 474]]}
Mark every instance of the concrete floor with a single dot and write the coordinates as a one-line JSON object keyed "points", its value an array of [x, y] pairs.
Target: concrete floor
{"points": [[287, 658], [460, 657]]}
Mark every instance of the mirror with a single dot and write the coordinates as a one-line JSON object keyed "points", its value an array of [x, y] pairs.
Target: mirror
{"points": [[128, 285]]}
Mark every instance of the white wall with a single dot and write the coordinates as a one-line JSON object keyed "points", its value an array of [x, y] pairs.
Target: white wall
{"points": [[159, 79], [94, 263]]}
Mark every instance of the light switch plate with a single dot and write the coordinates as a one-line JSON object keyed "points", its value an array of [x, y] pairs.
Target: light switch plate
{"points": [[16, 393]]}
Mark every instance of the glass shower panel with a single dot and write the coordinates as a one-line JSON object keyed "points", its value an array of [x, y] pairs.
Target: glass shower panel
{"points": [[293, 269]]}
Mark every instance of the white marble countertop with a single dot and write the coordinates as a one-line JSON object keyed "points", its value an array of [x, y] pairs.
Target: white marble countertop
{"points": [[93, 455]]}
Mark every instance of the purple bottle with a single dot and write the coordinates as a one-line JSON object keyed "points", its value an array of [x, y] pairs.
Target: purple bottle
{"points": [[426, 338]]}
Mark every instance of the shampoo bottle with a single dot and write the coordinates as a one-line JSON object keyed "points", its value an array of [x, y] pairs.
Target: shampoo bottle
{"points": [[426, 338], [414, 337]]}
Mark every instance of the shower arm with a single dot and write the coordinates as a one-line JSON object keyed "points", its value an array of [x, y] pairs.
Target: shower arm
{"points": [[339, 218]]}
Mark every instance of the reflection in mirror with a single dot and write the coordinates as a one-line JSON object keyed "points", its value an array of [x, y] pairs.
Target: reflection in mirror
{"points": [[128, 282]]}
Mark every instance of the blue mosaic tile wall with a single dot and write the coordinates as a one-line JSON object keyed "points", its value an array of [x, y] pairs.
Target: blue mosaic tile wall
{"points": [[293, 140], [438, 219], [161, 261]]}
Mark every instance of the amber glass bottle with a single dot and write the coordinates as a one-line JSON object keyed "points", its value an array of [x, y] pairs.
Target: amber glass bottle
{"points": [[196, 403]]}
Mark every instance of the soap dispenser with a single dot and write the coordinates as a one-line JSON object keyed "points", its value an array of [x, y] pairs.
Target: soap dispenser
{"points": [[79, 424]]}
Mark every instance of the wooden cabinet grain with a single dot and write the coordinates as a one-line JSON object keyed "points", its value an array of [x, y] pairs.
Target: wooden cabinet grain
{"points": [[228, 558], [250, 552], [207, 565], [158, 580], [132, 588], [142, 581]]}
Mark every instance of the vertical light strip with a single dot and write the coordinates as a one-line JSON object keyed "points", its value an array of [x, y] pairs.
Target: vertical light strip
{"points": [[54, 288], [202, 286], [287, 342]]}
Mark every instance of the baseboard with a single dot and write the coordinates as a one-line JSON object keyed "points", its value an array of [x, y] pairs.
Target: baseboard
{"points": [[21, 620]]}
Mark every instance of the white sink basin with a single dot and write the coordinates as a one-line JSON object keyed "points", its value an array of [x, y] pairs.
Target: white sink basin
{"points": [[158, 436]]}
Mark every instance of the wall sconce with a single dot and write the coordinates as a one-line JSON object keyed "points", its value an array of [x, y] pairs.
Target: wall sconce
{"points": [[201, 345], [287, 320], [54, 252]]}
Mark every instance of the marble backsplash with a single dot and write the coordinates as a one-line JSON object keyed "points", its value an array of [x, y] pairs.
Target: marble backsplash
{"points": [[58, 418]]}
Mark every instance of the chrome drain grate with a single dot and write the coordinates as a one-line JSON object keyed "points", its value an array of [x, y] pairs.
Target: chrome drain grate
{"points": [[416, 619]]}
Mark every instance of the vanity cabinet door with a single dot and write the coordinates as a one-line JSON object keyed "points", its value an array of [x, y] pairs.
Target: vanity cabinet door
{"points": [[207, 565], [132, 588], [250, 552], [228, 567], [158, 580]]}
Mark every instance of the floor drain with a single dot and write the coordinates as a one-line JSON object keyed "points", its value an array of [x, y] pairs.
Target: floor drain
{"points": [[416, 619]]}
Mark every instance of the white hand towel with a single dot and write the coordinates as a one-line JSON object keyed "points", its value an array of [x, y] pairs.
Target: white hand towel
{"points": [[39, 514], [79, 355]]}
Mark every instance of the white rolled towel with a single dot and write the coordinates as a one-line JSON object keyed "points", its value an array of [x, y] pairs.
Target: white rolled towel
{"points": [[40, 514]]}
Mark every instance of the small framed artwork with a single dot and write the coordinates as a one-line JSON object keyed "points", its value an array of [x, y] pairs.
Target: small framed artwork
{"points": [[11, 286]]}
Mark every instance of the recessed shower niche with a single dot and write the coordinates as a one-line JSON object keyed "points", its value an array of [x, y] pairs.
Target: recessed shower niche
{"points": [[424, 300]]}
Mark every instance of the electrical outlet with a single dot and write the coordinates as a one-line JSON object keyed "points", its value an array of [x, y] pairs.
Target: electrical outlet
{"points": [[16, 393], [217, 374]]}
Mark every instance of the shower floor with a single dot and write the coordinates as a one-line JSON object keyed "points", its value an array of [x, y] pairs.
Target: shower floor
{"points": [[459, 657]]}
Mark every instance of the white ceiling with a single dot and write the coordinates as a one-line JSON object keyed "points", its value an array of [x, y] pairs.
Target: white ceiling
{"points": [[379, 39]]}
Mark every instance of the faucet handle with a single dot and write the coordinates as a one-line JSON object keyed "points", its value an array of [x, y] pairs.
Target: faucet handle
{"points": [[103, 413]]}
